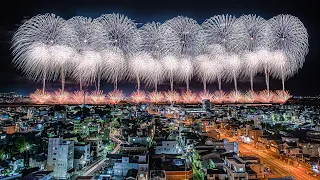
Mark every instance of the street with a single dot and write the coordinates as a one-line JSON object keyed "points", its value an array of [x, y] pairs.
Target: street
{"points": [[277, 166]]}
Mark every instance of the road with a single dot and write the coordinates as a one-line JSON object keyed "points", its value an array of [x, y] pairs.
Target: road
{"points": [[278, 167], [93, 168]]}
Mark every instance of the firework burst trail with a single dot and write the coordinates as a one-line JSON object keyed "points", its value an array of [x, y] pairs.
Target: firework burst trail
{"points": [[171, 65], [282, 68], [138, 66], [203, 69], [234, 64], [115, 65], [252, 66], [186, 70], [154, 73]]}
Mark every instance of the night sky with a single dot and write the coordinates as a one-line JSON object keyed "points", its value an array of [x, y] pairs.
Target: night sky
{"points": [[306, 82]]}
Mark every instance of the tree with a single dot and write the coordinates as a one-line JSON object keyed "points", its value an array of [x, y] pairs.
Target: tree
{"points": [[2, 154], [21, 144]]}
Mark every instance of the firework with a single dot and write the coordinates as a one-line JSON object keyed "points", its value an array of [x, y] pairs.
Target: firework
{"points": [[62, 55], [252, 66], [171, 66], [97, 97], [42, 30], [203, 68], [120, 32], [36, 65], [235, 96], [154, 73], [217, 63], [289, 35], [189, 97], [90, 68], [257, 32], [61, 97], [186, 70], [206, 95], [219, 96], [266, 96], [115, 96], [172, 96], [226, 31], [282, 67], [234, 64], [183, 36], [250, 97], [152, 39], [88, 36], [138, 97], [266, 60], [155, 97], [79, 97], [40, 97], [281, 96], [114, 65], [138, 66], [88, 33]]}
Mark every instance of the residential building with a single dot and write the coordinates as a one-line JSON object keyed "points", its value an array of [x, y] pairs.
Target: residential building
{"points": [[60, 157], [96, 148], [168, 147], [235, 168]]}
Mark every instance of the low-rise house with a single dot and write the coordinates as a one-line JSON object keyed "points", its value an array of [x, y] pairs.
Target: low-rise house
{"points": [[17, 163], [139, 162], [168, 147], [310, 148], [39, 161], [236, 169], [215, 174]]}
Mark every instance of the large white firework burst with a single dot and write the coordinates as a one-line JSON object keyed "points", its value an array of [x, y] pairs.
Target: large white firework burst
{"points": [[41, 31], [114, 65], [257, 32], [171, 65], [138, 66], [152, 39], [186, 70], [226, 31], [121, 32], [289, 35], [183, 36]]}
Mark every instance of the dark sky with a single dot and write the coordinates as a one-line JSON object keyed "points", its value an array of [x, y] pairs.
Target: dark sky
{"points": [[306, 82]]}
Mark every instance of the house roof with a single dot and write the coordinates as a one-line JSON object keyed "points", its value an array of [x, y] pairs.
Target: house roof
{"points": [[132, 173], [216, 171]]}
